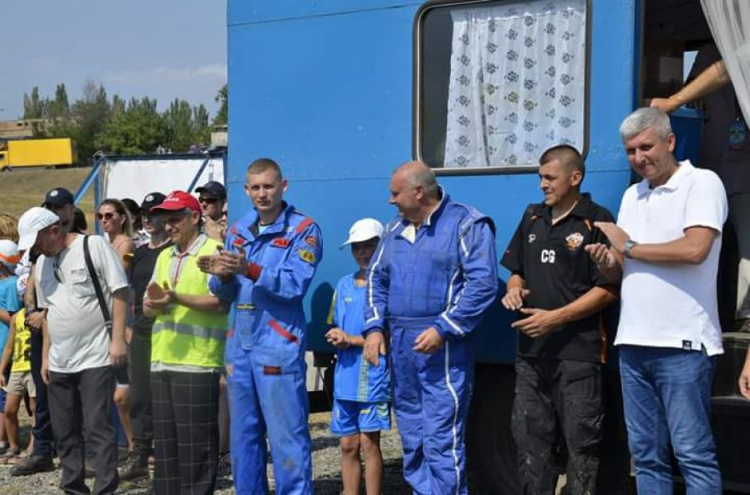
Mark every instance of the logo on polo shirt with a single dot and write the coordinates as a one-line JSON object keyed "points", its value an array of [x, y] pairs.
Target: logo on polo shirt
{"points": [[574, 240], [532, 238]]}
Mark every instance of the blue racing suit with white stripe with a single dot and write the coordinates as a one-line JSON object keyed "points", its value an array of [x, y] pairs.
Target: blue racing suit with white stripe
{"points": [[265, 351], [444, 275]]}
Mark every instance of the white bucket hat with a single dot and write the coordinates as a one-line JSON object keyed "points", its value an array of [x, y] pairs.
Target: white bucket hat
{"points": [[364, 230]]}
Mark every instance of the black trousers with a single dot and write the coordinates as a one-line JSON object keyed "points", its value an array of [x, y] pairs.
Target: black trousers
{"points": [[42, 430], [84, 398], [140, 393], [558, 403], [186, 431]]}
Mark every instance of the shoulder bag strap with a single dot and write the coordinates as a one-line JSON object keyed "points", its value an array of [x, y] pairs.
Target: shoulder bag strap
{"points": [[97, 286]]}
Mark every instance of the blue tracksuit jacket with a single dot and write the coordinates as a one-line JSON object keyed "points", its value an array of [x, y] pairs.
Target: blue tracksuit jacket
{"points": [[265, 349], [446, 278]]}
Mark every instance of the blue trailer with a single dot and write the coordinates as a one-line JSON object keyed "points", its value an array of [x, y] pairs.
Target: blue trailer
{"points": [[340, 92]]}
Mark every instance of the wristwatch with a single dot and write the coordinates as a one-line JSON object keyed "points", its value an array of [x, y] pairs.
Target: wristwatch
{"points": [[629, 244]]}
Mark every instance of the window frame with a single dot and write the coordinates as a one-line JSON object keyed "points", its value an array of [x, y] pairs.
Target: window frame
{"points": [[417, 103]]}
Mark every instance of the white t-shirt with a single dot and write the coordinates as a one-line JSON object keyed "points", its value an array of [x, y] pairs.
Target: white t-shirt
{"points": [[78, 336], [672, 304]]}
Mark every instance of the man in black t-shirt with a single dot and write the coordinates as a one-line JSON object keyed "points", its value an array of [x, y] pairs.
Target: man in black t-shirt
{"points": [[139, 275], [559, 293]]}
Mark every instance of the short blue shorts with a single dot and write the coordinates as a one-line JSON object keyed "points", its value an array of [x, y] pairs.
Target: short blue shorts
{"points": [[349, 417]]}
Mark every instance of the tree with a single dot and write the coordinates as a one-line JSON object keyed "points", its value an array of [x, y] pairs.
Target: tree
{"points": [[137, 130], [132, 127], [90, 116], [186, 125], [200, 125], [59, 107], [33, 106], [222, 117]]}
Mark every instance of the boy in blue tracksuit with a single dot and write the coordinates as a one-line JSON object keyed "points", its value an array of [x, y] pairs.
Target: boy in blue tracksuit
{"points": [[361, 407], [430, 282], [265, 269]]}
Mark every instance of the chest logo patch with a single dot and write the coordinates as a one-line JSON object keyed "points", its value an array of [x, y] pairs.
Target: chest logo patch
{"points": [[574, 241], [307, 256], [532, 238], [239, 241], [280, 242], [348, 299]]}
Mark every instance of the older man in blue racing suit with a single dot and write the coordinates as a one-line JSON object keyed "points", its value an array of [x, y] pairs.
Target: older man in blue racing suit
{"points": [[429, 284], [266, 266]]}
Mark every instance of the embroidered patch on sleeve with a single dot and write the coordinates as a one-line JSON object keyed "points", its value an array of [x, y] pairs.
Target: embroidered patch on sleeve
{"points": [[307, 256], [311, 240]]}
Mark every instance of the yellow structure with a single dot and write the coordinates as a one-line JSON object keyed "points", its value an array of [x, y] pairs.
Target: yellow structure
{"points": [[59, 152]]}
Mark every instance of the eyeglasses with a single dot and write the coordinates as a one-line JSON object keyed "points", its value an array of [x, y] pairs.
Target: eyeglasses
{"points": [[108, 215], [51, 207], [209, 200]]}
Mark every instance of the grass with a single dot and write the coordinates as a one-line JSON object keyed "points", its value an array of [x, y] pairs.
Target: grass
{"points": [[21, 189]]}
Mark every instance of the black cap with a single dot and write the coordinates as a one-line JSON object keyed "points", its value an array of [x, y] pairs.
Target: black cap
{"points": [[58, 196], [213, 189], [151, 200]]}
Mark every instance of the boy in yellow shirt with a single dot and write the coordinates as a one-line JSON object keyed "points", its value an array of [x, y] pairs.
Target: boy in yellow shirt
{"points": [[20, 383]]}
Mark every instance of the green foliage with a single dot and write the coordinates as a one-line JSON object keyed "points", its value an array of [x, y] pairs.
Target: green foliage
{"points": [[186, 125], [222, 117], [139, 129], [115, 126]]}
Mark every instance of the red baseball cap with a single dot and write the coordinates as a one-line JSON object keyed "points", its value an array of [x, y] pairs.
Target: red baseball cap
{"points": [[178, 200]]}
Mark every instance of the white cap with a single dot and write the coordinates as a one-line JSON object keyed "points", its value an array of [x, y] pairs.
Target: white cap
{"points": [[364, 230], [31, 222], [9, 254]]}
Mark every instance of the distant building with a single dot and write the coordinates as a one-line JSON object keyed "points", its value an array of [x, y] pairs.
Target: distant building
{"points": [[219, 137], [19, 129]]}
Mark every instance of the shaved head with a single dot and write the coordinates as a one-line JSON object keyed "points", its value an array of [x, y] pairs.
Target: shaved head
{"points": [[568, 156]]}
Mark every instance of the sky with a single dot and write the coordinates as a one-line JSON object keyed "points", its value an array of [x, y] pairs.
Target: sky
{"points": [[163, 49]]}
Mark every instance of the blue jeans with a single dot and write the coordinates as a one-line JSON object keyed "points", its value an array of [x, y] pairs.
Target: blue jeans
{"points": [[667, 396]]}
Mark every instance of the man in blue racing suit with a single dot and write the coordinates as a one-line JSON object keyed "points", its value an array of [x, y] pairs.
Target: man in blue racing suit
{"points": [[266, 266], [429, 284]]}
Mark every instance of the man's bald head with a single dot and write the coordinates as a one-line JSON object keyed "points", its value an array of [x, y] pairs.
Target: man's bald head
{"points": [[417, 173]]}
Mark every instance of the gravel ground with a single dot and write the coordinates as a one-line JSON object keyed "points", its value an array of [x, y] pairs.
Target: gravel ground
{"points": [[326, 468]]}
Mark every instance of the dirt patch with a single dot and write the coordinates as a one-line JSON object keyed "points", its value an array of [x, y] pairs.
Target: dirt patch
{"points": [[326, 467]]}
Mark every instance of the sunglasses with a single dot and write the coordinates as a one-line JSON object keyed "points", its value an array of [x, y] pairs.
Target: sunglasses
{"points": [[209, 201], [107, 216]]}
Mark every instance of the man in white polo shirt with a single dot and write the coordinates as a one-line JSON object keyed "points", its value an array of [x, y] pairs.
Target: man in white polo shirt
{"points": [[666, 247]]}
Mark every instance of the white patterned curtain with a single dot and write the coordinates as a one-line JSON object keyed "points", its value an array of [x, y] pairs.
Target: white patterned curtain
{"points": [[517, 82], [729, 21]]}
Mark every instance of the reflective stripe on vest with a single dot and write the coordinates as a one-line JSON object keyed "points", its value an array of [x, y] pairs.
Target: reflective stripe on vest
{"points": [[190, 330], [183, 335]]}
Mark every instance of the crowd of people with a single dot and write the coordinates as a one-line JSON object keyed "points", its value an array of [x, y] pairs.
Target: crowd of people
{"points": [[172, 313]]}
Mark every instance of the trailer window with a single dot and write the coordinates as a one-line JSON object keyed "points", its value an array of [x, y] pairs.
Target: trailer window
{"points": [[499, 82]]}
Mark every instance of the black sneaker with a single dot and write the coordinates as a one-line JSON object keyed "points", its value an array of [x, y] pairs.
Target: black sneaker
{"points": [[32, 465], [134, 467]]}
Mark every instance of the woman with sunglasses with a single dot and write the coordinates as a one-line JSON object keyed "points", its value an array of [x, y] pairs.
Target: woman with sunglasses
{"points": [[115, 222]]}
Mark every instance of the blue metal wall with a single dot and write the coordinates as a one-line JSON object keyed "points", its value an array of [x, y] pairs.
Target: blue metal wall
{"points": [[325, 88]]}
